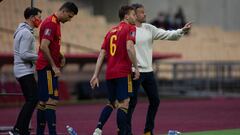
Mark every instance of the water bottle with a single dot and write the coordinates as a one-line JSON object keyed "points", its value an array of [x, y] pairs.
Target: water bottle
{"points": [[71, 131], [173, 132]]}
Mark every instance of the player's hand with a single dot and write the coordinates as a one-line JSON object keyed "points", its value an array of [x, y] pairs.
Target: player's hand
{"points": [[94, 81], [136, 74], [187, 27], [63, 62], [56, 71]]}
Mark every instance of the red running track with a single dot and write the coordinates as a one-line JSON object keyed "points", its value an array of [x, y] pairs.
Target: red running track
{"points": [[182, 115]]}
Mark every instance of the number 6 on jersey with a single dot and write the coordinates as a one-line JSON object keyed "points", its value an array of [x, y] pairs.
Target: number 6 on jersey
{"points": [[113, 46]]}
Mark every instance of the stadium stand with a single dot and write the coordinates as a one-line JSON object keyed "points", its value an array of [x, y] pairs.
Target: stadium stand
{"points": [[87, 32], [83, 37], [204, 43], [85, 29]]}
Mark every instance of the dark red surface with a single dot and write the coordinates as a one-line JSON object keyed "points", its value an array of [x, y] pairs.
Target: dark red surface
{"points": [[182, 115]]}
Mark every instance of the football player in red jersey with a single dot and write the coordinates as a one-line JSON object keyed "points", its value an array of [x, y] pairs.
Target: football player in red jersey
{"points": [[48, 66], [118, 48]]}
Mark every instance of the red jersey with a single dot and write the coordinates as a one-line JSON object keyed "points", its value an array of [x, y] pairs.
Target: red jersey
{"points": [[115, 44], [50, 30]]}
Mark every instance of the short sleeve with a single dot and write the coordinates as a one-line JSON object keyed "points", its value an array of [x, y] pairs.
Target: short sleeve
{"points": [[132, 34], [104, 44], [49, 31]]}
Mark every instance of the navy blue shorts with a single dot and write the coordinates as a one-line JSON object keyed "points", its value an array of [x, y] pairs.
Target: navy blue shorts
{"points": [[119, 88], [47, 85]]}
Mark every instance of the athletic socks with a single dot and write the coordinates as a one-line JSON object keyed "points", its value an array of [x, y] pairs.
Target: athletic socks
{"points": [[122, 120], [106, 112], [41, 121], [50, 116]]}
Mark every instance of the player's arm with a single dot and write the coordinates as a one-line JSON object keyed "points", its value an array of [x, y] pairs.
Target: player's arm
{"points": [[132, 56], [162, 34], [63, 60], [94, 80], [45, 48], [99, 62]]}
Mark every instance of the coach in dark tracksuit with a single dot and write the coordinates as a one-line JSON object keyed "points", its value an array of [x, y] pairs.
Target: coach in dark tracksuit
{"points": [[24, 58], [145, 35]]}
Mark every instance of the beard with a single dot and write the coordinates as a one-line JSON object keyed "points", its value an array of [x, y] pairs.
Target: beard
{"points": [[143, 20]]}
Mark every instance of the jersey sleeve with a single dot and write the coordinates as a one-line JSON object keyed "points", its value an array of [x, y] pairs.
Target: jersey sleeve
{"points": [[49, 31], [104, 44], [161, 34], [132, 34]]}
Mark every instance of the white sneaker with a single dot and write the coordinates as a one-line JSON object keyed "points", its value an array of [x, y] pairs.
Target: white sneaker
{"points": [[97, 131], [13, 133]]}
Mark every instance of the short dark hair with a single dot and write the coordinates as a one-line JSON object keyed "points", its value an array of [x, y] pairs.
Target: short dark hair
{"points": [[136, 6], [70, 7], [31, 11], [123, 11]]}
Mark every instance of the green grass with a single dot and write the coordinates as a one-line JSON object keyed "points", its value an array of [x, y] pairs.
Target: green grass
{"points": [[217, 132]]}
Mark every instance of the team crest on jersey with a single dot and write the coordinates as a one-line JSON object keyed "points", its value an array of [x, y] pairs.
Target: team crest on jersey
{"points": [[47, 32]]}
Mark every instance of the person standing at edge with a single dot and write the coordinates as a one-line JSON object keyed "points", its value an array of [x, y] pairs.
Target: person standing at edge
{"points": [[145, 35], [24, 67]]}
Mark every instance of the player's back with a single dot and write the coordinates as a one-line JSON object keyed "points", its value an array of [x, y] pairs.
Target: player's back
{"points": [[118, 62]]}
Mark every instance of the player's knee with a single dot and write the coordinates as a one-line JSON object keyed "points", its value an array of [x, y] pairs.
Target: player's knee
{"points": [[52, 101], [51, 104], [113, 105], [124, 103], [41, 105]]}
